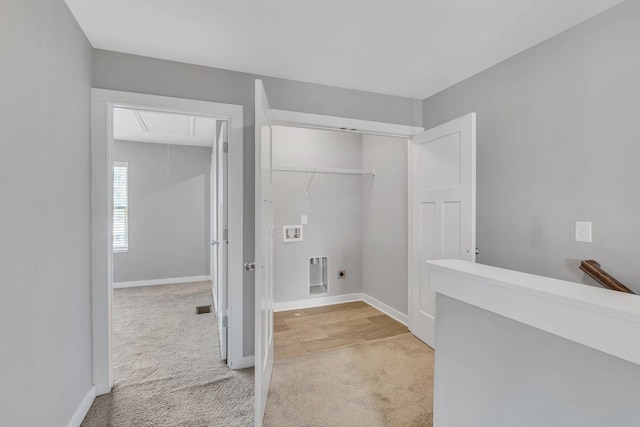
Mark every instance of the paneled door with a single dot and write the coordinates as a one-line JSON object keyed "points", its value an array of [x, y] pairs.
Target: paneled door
{"points": [[442, 211], [263, 254]]}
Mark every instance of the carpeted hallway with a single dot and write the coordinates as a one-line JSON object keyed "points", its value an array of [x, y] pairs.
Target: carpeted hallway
{"points": [[344, 365], [167, 367]]}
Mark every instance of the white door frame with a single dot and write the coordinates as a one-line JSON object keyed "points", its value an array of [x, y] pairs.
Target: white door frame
{"points": [[103, 102], [219, 245], [333, 123], [213, 216]]}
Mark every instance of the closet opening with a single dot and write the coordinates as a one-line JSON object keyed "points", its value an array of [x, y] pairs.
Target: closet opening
{"points": [[341, 199]]}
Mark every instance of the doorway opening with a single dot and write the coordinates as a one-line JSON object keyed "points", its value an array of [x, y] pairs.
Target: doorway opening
{"points": [[347, 194], [161, 139], [166, 242]]}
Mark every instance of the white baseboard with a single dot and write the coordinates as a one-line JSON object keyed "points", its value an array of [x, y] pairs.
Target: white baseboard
{"points": [[82, 410], [316, 302], [389, 311], [102, 389], [339, 299], [155, 282]]}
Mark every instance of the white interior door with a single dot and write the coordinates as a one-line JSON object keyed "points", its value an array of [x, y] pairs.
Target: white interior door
{"points": [[442, 211], [221, 243], [263, 254]]}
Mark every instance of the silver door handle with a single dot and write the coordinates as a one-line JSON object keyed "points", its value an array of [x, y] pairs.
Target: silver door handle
{"points": [[214, 242], [249, 266]]}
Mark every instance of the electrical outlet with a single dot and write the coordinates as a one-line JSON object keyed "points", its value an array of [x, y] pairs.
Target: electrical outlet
{"points": [[342, 274]]}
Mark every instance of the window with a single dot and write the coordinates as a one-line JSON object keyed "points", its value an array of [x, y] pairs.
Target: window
{"points": [[120, 207]]}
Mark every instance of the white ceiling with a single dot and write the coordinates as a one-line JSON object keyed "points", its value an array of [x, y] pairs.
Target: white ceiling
{"points": [[410, 48], [163, 127]]}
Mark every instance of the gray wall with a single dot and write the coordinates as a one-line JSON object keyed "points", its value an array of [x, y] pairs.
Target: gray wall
{"points": [[333, 208], [558, 134], [360, 224], [45, 293], [117, 71], [169, 218], [493, 371], [385, 248]]}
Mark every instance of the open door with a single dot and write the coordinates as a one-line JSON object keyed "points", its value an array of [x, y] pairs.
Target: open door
{"points": [[263, 254], [442, 211], [220, 245]]}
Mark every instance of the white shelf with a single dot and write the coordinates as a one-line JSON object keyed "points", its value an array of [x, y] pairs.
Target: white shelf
{"points": [[335, 171], [332, 171]]}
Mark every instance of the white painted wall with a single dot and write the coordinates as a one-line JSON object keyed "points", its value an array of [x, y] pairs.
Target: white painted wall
{"points": [[168, 212], [45, 220], [333, 208], [385, 221]]}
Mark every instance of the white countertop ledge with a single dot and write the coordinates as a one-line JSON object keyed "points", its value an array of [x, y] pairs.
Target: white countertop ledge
{"points": [[599, 318]]}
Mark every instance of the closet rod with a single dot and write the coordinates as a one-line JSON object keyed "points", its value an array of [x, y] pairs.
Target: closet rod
{"points": [[325, 170], [314, 171]]}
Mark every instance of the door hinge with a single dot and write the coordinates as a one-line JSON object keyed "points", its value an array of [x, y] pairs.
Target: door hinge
{"points": [[225, 321], [225, 234], [225, 147]]}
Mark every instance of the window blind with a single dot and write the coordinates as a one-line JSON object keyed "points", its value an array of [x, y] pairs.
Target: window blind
{"points": [[120, 207]]}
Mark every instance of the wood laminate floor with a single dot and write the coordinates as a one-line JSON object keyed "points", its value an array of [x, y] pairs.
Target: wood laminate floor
{"points": [[312, 330]]}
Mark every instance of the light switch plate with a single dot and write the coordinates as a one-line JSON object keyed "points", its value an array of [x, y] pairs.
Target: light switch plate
{"points": [[303, 219], [583, 231]]}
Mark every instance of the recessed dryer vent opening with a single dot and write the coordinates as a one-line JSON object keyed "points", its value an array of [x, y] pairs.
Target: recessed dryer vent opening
{"points": [[318, 275]]}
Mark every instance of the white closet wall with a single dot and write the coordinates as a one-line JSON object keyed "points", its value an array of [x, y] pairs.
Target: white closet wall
{"points": [[385, 223], [358, 222], [333, 208]]}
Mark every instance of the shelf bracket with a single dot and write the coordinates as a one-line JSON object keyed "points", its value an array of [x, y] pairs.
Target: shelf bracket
{"points": [[311, 180]]}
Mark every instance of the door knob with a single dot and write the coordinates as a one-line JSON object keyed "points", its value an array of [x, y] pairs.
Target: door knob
{"points": [[249, 266], [214, 242]]}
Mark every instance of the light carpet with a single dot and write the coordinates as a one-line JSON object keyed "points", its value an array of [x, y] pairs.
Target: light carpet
{"points": [[388, 382], [166, 364]]}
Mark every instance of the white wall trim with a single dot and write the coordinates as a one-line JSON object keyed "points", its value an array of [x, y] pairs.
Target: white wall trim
{"points": [[316, 302], [411, 275], [155, 282], [388, 310], [318, 121], [341, 299], [83, 409]]}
